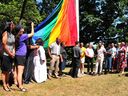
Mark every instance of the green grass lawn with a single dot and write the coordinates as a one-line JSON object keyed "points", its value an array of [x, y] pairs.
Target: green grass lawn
{"points": [[104, 85]]}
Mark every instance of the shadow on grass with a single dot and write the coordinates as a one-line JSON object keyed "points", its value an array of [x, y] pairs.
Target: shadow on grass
{"points": [[126, 74], [126, 70]]}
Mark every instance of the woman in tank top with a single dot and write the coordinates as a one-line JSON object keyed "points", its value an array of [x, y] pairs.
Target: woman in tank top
{"points": [[8, 43]]}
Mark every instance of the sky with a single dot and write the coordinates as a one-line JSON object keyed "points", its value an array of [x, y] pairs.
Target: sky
{"points": [[39, 0]]}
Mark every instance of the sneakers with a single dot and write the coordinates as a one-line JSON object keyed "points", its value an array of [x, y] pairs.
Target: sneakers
{"points": [[56, 76]]}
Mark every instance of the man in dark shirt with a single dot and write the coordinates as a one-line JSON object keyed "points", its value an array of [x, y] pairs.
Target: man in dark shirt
{"points": [[76, 60]]}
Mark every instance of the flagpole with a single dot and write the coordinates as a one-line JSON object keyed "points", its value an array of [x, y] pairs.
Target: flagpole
{"points": [[77, 18]]}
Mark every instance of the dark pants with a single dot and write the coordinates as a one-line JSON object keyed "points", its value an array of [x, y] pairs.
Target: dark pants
{"points": [[89, 64], [29, 67], [62, 64], [76, 66]]}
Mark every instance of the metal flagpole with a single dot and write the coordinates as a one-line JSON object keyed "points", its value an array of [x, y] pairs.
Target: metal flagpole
{"points": [[77, 18]]}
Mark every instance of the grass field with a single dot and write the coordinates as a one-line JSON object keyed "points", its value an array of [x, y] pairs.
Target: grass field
{"points": [[104, 85]]}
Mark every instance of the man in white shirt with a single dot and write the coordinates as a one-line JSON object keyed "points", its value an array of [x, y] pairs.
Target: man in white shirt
{"points": [[89, 57], [54, 53]]}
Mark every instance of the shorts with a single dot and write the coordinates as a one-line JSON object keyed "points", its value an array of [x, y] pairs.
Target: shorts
{"points": [[20, 60], [7, 63], [82, 60]]}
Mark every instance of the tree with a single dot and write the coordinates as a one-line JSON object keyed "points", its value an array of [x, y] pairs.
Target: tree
{"points": [[12, 10], [97, 17], [46, 6]]}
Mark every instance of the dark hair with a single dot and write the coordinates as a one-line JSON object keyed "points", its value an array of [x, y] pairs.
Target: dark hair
{"points": [[77, 42], [17, 29], [39, 42], [7, 26], [62, 44]]}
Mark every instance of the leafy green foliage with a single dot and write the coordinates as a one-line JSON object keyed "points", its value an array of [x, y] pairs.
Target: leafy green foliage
{"points": [[46, 7], [11, 10], [96, 18]]}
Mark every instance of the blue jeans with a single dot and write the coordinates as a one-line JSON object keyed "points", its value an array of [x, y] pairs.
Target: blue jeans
{"points": [[62, 64], [108, 63]]}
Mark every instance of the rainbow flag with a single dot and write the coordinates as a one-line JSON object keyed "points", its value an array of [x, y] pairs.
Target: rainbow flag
{"points": [[61, 23]]}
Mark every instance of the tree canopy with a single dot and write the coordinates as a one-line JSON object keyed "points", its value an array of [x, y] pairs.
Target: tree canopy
{"points": [[11, 10], [99, 19]]}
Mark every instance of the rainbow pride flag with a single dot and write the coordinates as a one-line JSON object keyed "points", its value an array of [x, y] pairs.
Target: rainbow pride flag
{"points": [[61, 23]]}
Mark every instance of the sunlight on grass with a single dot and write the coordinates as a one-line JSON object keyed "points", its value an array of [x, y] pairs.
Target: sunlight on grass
{"points": [[104, 85]]}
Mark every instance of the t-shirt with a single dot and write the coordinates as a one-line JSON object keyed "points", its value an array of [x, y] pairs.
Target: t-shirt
{"points": [[63, 53], [76, 52], [55, 48], [109, 52], [90, 52], [22, 48], [83, 49], [100, 52], [113, 52]]}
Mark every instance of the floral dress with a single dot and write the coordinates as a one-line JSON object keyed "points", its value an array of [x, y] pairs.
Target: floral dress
{"points": [[122, 58]]}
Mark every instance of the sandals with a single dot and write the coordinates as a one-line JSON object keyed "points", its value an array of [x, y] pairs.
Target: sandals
{"points": [[23, 89], [6, 89]]}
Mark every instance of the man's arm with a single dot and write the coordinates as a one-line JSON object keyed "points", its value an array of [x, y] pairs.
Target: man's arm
{"points": [[49, 52]]}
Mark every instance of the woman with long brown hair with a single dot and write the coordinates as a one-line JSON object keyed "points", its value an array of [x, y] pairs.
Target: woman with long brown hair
{"points": [[8, 44]]}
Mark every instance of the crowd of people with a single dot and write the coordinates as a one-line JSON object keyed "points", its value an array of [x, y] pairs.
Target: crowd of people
{"points": [[100, 60], [26, 61]]}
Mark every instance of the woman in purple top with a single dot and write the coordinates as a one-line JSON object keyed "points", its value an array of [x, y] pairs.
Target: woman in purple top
{"points": [[21, 50]]}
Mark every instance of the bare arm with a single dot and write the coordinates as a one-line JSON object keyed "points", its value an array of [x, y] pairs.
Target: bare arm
{"points": [[14, 50], [33, 46], [61, 58], [32, 30], [49, 52]]}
